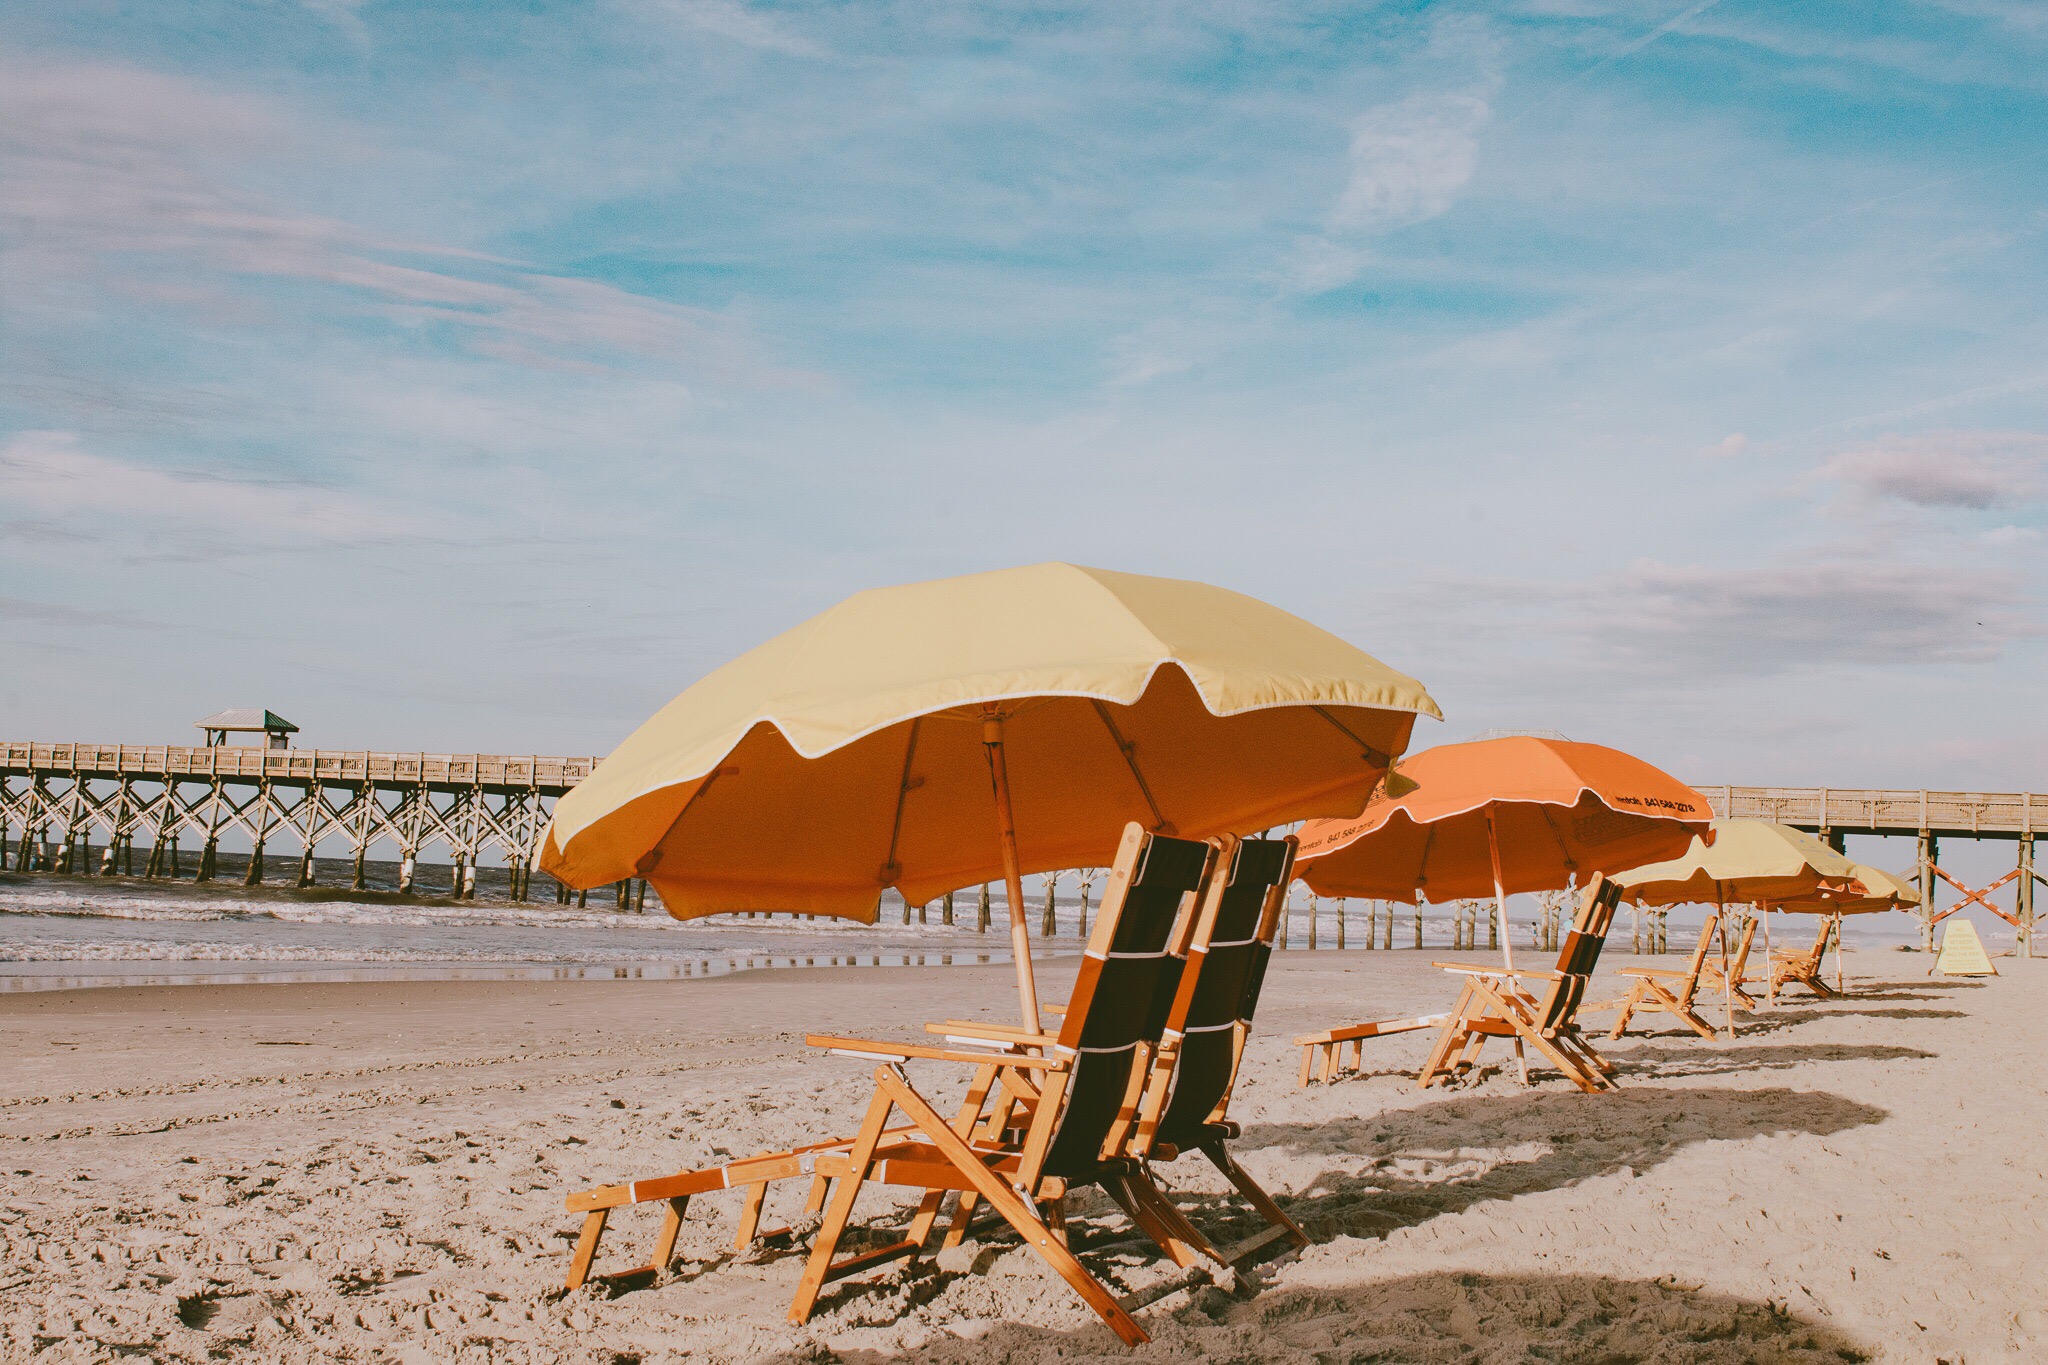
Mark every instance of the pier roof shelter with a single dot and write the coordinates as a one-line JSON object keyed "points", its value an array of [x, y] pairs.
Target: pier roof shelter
{"points": [[246, 720]]}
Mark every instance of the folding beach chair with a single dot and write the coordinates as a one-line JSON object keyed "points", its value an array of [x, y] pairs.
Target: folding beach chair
{"points": [[1186, 1105], [1735, 980], [1060, 1116], [1074, 1093], [1668, 990], [1801, 966], [1225, 946], [1494, 1004]]}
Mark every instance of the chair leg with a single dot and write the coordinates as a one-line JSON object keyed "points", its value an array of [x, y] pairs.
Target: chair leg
{"points": [[839, 1211], [1521, 1060], [1015, 1211], [586, 1247], [927, 1214], [963, 1219], [1308, 1062], [1449, 1037], [750, 1215], [1628, 1010], [671, 1228], [1158, 1218], [1254, 1194]]}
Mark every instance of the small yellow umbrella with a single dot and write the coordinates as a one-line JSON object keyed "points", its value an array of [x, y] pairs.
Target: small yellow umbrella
{"points": [[935, 735], [1874, 891], [1749, 861]]}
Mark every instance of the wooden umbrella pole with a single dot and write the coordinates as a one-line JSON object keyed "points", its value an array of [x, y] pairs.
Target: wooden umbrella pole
{"points": [[1013, 878], [1727, 986], [1838, 956], [1500, 896], [1770, 977]]}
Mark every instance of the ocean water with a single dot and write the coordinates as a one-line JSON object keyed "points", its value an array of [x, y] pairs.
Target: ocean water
{"points": [[64, 932]]}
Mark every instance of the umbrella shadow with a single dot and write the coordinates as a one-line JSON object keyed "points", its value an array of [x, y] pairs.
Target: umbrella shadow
{"points": [[1443, 1315]]}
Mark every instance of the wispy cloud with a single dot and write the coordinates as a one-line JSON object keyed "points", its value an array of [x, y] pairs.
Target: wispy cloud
{"points": [[49, 482], [116, 177], [1976, 470], [734, 21]]}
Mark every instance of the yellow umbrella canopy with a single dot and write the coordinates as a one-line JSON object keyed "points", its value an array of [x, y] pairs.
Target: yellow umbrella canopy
{"points": [[1875, 890], [901, 738], [1748, 861]]}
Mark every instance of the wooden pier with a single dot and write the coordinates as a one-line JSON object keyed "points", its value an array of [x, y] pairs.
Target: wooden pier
{"points": [[58, 799]]}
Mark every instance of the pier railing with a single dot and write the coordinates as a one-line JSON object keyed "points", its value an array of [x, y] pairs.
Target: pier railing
{"points": [[145, 761]]}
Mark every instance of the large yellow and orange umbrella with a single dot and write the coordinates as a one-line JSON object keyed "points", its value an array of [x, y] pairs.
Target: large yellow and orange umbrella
{"points": [[934, 735], [1873, 891], [1756, 862], [1519, 813]]}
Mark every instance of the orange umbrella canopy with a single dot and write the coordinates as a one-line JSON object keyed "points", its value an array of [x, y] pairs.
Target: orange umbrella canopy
{"points": [[1557, 808], [853, 752]]}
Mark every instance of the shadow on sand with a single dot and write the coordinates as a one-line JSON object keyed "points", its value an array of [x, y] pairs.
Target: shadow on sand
{"points": [[1424, 1319], [1367, 1176], [1416, 1169]]}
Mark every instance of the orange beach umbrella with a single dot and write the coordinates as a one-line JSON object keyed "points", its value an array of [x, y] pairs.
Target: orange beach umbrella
{"points": [[1520, 813], [935, 735]]}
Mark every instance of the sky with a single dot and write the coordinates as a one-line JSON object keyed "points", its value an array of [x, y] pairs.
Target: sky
{"points": [[476, 377]]}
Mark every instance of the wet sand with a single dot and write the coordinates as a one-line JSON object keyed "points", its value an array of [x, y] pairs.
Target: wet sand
{"points": [[374, 1171]]}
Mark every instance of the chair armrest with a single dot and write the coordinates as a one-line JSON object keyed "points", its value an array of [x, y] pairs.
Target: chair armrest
{"points": [[1652, 971], [900, 1052], [1472, 969], [1005, 1035]]}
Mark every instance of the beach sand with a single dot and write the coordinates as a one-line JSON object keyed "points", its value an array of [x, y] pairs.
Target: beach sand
{"points": [[375, 1172]]}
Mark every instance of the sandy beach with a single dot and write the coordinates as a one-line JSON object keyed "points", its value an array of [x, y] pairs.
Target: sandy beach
{"points": [[375, 1171]]}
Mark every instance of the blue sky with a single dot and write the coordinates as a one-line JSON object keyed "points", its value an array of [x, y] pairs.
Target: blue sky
{"points": [[476, 376]]}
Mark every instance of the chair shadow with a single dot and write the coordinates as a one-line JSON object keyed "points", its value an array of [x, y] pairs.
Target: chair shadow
{"points": [[1444, 1315], [1697, 1058], [1577, 1138]]}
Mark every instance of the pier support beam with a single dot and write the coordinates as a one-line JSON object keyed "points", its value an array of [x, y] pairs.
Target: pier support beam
{"points": [[1929, 855], [207, 856], [2025, 902], [254, 876]]}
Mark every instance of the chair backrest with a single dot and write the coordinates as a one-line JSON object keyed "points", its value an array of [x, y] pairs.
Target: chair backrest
{"points": [[1709, 927], [1117, 1011], [1227, 956], [1579, 954]]}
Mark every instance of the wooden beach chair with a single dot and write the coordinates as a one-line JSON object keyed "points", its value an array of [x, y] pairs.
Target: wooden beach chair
{"points": [[1186, 1107], [1801, 966], [1495, 1004], [1225, 947], [1667, 990], [1061, 1116], [1049, 1092], [1736, 978]]}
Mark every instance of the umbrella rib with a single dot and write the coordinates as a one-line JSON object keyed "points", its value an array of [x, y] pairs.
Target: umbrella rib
{"points": [[891, 870], [1543, 809], [1160, 824], [1372, 755]]}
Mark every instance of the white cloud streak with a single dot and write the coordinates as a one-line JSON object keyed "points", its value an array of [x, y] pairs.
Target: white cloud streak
{"points": [[1966, 469], [111, 175]]}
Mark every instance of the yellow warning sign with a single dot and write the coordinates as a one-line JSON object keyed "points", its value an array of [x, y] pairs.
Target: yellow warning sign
{"points": [[1962, 952]]}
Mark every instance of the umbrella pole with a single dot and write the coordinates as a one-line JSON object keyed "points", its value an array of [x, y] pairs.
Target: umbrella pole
{"points": [[1770, 977], [1727, 986], [1838, 956], [1500, 897], [1013, 878]]}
